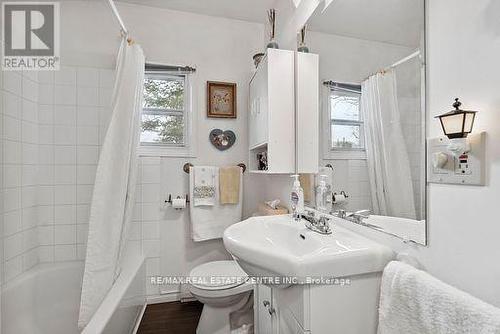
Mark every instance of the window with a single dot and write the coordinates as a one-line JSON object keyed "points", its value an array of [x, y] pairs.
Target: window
{"points": [[166, 112], [346, 130], [344, 137]]}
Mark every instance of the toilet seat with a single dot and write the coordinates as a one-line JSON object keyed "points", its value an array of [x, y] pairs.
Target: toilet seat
{"points": [[222, 279], [218, 275]]}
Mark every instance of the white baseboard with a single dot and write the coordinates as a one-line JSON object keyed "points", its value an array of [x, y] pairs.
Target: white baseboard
{"points": [[167, 297]]}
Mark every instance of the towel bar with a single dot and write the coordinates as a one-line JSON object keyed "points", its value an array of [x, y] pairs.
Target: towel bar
{"points": [[187, 165]]}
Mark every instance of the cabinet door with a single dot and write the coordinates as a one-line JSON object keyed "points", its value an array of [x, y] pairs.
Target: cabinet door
{"points": [[264, 303], [292, 309], [254, 102], [307, 109], [258, 123]]}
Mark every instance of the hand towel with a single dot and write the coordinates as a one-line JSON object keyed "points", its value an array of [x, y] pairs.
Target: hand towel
{"points": [[204, 185], [229, 184], [414, 302], [305, 183], [209, 222]]}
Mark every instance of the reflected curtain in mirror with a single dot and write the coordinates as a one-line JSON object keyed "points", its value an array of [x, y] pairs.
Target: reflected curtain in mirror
{"points": [[387, 157]]}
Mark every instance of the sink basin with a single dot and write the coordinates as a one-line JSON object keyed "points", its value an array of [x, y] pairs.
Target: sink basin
{"points": [[277, 246]]}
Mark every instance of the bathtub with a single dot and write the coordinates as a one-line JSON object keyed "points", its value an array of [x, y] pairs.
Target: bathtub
{"points": [[401, 227], [46, 299]]}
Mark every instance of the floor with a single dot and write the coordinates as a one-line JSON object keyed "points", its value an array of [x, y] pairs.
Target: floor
{"points": [[171, 318]]}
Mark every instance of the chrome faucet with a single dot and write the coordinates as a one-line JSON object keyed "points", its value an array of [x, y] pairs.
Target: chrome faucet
{"points": [[340, 214], [320, 225]]}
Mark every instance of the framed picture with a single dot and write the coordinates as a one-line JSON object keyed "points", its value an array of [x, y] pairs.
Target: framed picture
{"points": [[221, 99]]}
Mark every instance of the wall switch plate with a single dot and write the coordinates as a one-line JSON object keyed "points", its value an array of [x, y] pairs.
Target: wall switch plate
{"points": [[444, 167]]}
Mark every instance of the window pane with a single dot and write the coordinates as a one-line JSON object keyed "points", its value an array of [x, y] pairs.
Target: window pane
{"points": [[346, 136], [164, 93], [162, 129], [345, 107]]}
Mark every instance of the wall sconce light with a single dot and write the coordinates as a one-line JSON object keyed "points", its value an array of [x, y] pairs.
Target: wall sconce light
{"points": [[457, 124]]}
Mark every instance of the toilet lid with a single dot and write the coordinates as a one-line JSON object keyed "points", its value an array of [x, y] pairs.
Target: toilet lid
{"points": [[218, 275]]}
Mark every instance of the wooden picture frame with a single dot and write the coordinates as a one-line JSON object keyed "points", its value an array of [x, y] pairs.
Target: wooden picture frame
{"points": [[221, 99]]}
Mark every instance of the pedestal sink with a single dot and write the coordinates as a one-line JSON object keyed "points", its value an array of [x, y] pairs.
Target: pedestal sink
{"points": [[277, 246]]}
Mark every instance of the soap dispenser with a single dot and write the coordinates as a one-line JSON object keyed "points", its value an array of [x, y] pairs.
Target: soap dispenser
{"points": [[297, 198], [321, 194]]}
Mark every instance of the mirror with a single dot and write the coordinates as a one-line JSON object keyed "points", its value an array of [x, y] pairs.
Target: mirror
{"points": [[372, 113]]}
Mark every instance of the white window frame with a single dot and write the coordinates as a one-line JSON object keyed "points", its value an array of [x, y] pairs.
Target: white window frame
{"points": [[330, 153], [188, 148]]}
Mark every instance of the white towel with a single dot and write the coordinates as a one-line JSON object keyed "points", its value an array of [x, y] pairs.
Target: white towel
{"points": [[204, 185], [209, 222], [414, 302]]}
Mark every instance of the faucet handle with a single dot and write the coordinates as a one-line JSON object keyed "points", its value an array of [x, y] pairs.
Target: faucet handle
{"points": [[324, 225], [340, 213], [324, 220], [310, 213]]}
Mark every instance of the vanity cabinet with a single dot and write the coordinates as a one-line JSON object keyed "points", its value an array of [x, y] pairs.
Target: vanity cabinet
{"points": [[349, 308], [272, 113], [263, 309]]}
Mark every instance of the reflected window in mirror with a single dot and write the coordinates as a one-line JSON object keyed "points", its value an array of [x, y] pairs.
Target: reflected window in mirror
{"points": [[344, 124]]}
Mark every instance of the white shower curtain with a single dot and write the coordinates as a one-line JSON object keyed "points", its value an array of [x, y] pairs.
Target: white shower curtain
{"points": [[113, 197], [387, 157]]}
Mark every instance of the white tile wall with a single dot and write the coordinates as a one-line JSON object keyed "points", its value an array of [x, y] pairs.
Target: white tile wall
{"points": [[70, 126], [351, 176], [145, 229], [50, 148], [20, 140], [51, 127]]}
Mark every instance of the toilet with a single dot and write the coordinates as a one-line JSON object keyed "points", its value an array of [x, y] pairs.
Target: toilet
{"points": [[223, 287]]}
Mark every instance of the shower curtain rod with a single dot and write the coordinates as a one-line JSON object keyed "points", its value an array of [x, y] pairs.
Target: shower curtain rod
{"points": [[399, 62], [113, 8], [404, 60]]}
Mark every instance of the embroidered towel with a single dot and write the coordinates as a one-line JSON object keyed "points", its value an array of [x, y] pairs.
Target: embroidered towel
{"points": [[209, 222], [229, 184], [204, 185], [412, 301]]}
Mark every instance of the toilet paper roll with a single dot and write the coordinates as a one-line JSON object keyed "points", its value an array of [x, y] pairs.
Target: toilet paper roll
{"points": [[339, 199], [179, 203]]}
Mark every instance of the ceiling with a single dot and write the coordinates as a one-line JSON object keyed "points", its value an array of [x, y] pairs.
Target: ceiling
{"points": [[247, 10], [392, 21]]}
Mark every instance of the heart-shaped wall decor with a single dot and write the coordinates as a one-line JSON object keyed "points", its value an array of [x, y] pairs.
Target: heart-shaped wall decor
{"points": [[222, 140]]}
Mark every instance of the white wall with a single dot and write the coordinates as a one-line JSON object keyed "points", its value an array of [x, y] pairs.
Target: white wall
{"points": [[463, 228], [352, 60], [221, 50]]}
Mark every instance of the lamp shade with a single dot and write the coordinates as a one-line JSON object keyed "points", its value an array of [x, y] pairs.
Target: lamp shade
{"points": [[457, 123]]}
